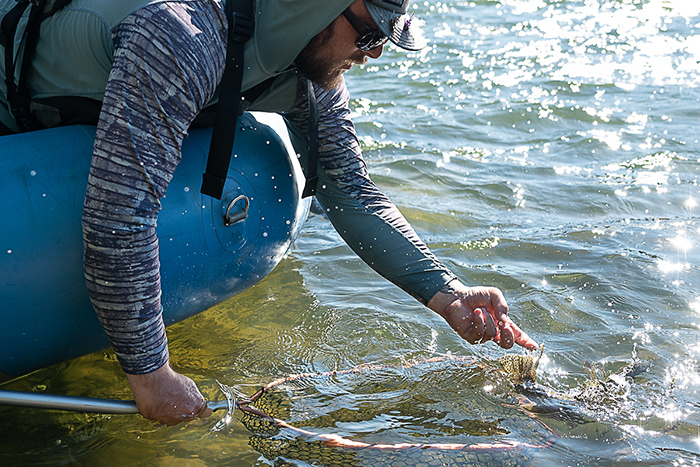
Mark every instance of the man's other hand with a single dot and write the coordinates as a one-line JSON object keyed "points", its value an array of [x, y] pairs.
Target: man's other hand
{"points": [[478, 315], [168, 397]]}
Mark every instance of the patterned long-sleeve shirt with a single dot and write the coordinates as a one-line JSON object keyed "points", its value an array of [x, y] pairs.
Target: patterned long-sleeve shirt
{"points": [[168, 60]]}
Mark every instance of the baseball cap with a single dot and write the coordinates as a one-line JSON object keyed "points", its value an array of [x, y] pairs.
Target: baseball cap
{"points": [[393, 19]]}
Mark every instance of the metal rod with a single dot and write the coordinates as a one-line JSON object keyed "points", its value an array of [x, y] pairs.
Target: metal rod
{"points": [[72, 403], [77, 403]]}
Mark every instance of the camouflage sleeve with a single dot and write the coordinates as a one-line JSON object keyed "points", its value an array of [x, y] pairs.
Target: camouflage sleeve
{"points": [[168, 60], [364, 217]]}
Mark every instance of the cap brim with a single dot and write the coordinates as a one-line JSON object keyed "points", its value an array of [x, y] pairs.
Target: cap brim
{"points": [[399, 27]]}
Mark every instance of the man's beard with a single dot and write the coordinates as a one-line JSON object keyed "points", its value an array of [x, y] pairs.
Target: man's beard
{"points": [[314, 64]]}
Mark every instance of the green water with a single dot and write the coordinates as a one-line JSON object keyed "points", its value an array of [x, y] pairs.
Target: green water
{"points": [[550, 148]]}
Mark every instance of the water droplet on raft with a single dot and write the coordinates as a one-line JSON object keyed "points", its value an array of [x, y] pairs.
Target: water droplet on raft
{"points": [[33, 173], [187, 189], [9, 252], [264, 234]]}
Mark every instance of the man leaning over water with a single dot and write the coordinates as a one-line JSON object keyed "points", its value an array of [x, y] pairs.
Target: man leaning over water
{"points": [[152, 66]]}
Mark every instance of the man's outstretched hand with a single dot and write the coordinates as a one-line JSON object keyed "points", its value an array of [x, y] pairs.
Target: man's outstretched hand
{"points": [[478, 315], [168, 397]]}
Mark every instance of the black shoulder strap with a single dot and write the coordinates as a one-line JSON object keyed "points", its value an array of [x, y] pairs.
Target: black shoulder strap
{"points": [[18, 95], [241, 19], [312, 159], [241, 22], [8, 26]]}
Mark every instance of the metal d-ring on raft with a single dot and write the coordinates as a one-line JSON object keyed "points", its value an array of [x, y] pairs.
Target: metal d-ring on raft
{"points": [[238, 240]]}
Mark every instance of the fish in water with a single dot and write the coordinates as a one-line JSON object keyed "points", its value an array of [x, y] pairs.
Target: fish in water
{"points": [[600, 390], [521, 368]]}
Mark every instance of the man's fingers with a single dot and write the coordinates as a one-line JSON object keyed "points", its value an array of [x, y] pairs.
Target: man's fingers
{"points": [[521, 338], [511, 333], [490, 330], [476, 333], [506, 338], [205, 411], [483, 328], [480, 315], [499, 304], [201, 411]]}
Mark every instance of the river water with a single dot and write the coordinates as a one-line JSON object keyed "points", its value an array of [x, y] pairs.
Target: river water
{"points": [[549, 148]]}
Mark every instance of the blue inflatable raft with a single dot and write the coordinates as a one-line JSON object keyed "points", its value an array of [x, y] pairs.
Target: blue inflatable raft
{"points": [[210, 250]]}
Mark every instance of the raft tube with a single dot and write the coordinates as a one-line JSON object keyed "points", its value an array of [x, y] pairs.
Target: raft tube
{"points": [[46, 313]]}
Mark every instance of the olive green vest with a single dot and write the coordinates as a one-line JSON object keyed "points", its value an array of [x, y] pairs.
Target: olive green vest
{"points": [[66, 64]]}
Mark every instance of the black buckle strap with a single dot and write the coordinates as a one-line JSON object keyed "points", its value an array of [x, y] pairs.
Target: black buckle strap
{"points": [[18, 95], [8, 26], [312, 159], [241, 27], [8, 29]]}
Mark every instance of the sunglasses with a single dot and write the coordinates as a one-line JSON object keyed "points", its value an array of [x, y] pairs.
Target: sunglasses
{"points": [[370, 38]]}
